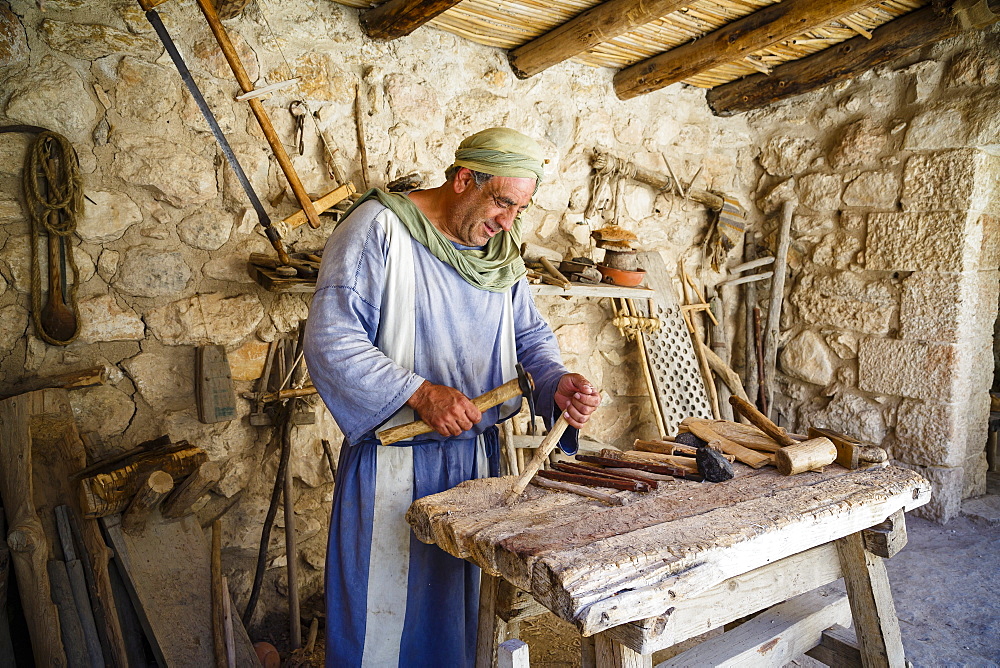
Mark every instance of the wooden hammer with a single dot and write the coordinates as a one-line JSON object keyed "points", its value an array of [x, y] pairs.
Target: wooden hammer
{"points": [[522, 385]]}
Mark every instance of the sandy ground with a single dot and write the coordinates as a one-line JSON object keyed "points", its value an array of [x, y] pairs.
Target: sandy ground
{"points": [[945, 583]]}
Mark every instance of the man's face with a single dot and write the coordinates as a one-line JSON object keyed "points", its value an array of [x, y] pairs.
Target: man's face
{"points": [[480, 213]]}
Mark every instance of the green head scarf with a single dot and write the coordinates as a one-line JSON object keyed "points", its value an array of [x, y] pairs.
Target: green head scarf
{"points": [[497, 265]]}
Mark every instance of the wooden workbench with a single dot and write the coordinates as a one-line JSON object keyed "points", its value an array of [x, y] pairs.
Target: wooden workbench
{"points": [[686, 558]]}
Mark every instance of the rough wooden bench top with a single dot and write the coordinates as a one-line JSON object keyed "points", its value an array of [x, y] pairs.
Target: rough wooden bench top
{"points": [[599, 566]]}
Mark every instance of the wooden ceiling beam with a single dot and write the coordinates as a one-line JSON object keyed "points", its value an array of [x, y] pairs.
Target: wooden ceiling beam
{"points": [[732, 42], [843, 61], [398, 18], [598, 24]]}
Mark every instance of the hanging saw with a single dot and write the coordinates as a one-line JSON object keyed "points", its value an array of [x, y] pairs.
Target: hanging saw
{"points": [[309, 210]]}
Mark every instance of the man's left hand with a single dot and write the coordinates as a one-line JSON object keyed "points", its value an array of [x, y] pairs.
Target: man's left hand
{"points": [[577, 398]]}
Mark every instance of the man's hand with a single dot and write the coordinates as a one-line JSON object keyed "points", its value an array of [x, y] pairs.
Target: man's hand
{"points": [[577, 398], [444, 408]]}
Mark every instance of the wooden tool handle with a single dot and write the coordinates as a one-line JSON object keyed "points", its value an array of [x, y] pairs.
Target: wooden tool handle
{"points": [[759, 420], [483, 402], [805, 456], [547, 445]]}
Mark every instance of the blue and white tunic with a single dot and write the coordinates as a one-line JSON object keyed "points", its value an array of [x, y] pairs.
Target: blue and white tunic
{"points": [[387, 315]]}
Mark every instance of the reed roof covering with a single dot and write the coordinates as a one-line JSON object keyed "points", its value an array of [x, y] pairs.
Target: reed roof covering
{"points": [[513, 23]]}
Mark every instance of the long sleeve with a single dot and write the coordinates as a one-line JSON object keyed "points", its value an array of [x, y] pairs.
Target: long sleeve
{"points": [[361, 386]]}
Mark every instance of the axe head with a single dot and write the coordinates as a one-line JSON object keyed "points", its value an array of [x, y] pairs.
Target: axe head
{"points": [[527, 389]]}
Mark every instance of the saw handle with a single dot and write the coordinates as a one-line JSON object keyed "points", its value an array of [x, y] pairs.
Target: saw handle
{"points": [[483, 402], [547, 445]]}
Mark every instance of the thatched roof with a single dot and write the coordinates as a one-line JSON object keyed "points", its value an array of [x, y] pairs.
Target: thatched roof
{"points": [[707, 43]]}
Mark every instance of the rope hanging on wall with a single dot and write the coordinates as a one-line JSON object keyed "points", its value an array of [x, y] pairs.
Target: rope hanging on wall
{"points": [[53, 193]]}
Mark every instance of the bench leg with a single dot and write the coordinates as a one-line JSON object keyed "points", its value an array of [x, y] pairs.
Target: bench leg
{"points": [[872, 608], [609, 653], [491, 630]]}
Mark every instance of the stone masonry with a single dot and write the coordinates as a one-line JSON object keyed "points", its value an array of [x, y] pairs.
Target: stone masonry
{"points": [[164, 241], [896, 228]]}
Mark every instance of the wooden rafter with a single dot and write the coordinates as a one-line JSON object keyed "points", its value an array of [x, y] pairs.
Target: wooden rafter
{"points": [[398, 18], [732, 42], [843, 61], [585, 31]]}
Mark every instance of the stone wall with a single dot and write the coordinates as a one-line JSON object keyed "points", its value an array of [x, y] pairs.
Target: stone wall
{"points": [[163, 246], [887, 330]]}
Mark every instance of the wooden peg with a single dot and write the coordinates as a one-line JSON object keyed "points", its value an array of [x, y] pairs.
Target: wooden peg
{"points": [[152, 490]]}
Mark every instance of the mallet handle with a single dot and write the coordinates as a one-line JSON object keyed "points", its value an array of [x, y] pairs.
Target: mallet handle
{"points": [[485, 401]]}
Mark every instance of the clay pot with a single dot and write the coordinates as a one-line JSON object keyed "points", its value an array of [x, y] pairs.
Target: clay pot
{"points": [[621, 277]]}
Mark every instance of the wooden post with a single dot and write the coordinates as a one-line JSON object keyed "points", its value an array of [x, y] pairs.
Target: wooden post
{"points": [[73, 643], [750, 341], [78, 586], [612, 654], [218, 594], [491, 630], [777, 296], [188, 492], [654, 401], [717, 336], [872, 607], [156, 486], [397, 18], [291, 548], [513, 654], [509, 451]]}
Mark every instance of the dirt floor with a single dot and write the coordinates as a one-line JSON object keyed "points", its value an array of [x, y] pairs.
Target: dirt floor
{"points": [[944, 582]]}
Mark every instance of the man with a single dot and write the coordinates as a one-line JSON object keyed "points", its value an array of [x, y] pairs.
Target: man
{"points": [[421, 304]]}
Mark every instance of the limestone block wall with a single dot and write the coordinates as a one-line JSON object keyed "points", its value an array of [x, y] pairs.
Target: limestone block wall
{"points": [[887, 330], [163, 245]]}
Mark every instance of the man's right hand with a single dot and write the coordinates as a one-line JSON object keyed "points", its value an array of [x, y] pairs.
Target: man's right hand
{"points": [[444, 408]]}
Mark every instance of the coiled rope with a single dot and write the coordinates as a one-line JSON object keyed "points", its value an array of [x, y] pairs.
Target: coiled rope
{"points": [[53, 192]]}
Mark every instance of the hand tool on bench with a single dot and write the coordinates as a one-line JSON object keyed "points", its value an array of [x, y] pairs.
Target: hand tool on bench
{"points": [[523, 385], [851, 453], [761, 421]]}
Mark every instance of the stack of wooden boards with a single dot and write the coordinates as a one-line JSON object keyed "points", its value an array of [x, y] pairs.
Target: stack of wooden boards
{"points": [[86, 604]]}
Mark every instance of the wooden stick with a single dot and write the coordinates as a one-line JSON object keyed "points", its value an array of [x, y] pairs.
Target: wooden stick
{"points": [[635, 463], [218, 594], [553, 271], [806, 456], [759, 420], [752, 278], [97, 375], [593, 469], [193, 488], [719, 350], [777, 297], [595, 480], [362, 144], [703, 430], [654, 401], [291, 548], [749, 342], [324, 203], [153, 489], [752, 264], [758, 336], [547, 445], [610, 499], [726, 374], [227, 624], [78, 585], [257, 107]]}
